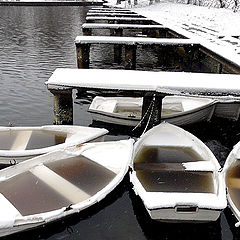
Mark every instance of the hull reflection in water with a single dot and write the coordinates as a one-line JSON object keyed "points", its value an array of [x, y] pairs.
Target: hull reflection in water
{"points": [[177, 176], [21, 143], [232, 177], [57, 184]]}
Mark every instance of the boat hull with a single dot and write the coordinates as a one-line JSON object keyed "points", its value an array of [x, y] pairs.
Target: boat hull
{"points": [[172, 215], [198, 114], [19, 152]]}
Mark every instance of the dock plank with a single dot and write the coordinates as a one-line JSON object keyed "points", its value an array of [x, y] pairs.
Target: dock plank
{"points": [[134, 41], [182, 83], [120, 26]]}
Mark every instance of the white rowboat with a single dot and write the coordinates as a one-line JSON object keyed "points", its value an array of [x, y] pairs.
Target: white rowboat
{"points": [[177, 176], [231, 172], [21, 143], [178, 110], [54, 185]]}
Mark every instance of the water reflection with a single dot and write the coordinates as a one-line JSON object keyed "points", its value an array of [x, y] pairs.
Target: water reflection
{"points": [[34, 42]]}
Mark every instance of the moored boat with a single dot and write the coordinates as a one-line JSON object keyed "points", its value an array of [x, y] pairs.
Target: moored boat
{"points": [[177, 177], [21, 143], [54, 185], [231, 172], [178, 110]]}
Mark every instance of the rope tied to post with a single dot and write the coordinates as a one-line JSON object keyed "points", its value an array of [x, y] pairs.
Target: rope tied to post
{"points": [[150, 108]]}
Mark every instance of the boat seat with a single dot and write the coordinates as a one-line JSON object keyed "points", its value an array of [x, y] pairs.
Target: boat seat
{"points": [[59, 184], [109, 106], [159, 166], [21, 140], [185, 166]]}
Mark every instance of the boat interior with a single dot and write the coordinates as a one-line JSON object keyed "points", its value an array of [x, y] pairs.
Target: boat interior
{"points": [[52, 185], [27, 139], [233, 182], [166, 169]]}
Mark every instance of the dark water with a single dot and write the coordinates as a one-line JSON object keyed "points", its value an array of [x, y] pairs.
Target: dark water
{"points": [[33, 43]]}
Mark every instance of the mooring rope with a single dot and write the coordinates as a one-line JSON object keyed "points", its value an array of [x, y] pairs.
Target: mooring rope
{"points": [[150, 107]]}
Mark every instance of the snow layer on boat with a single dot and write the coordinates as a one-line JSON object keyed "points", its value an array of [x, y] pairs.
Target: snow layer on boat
{"points": [[8, 213]]}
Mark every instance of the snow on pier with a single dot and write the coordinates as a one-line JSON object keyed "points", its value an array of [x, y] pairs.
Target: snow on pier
{"points": [[181, 83]]}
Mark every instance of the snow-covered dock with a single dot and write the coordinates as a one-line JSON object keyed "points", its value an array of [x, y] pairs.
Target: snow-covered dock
{"points": [[114, 14], [130, 43], [121, 26], [141, 20], [186, 54], [150, 85]]}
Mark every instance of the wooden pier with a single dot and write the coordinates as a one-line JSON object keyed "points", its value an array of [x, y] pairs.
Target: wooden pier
{"points": [[173, 49], [83, 44], [139, 20], [152, 86]]}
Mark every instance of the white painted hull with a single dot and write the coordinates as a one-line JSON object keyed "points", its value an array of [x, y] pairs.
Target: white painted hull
{"points": [[175, 188], [230, 171], [18, 151], [170, 215], [229, 110], [60, 183], [197, 113]]}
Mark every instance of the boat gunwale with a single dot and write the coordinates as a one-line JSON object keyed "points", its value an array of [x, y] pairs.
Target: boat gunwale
{"points": [[72, 132]]}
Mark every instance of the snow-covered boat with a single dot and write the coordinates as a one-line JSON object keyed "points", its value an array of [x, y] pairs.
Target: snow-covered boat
{"points": [[54, 185], [229, 109], [231, 172], [178, 110], [21, 143], [177, 176]]}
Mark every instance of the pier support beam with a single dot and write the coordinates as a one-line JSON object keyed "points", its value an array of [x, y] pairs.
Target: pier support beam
{"points": [[87, 31], [118, 47], [151, 110], [83, 51], [130, 57], [62, 106]]}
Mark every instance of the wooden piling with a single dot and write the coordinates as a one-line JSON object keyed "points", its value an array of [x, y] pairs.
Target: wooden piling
{"points": [[87, 31], [117, 47], [83, 55], [130, 57], [62, 106]]}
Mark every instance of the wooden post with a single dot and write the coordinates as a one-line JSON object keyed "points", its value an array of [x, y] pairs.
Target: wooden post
{"points": [[83, 55], [87, 31], [130, 57], [117, 47], [62, 106], [152, 108]]}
